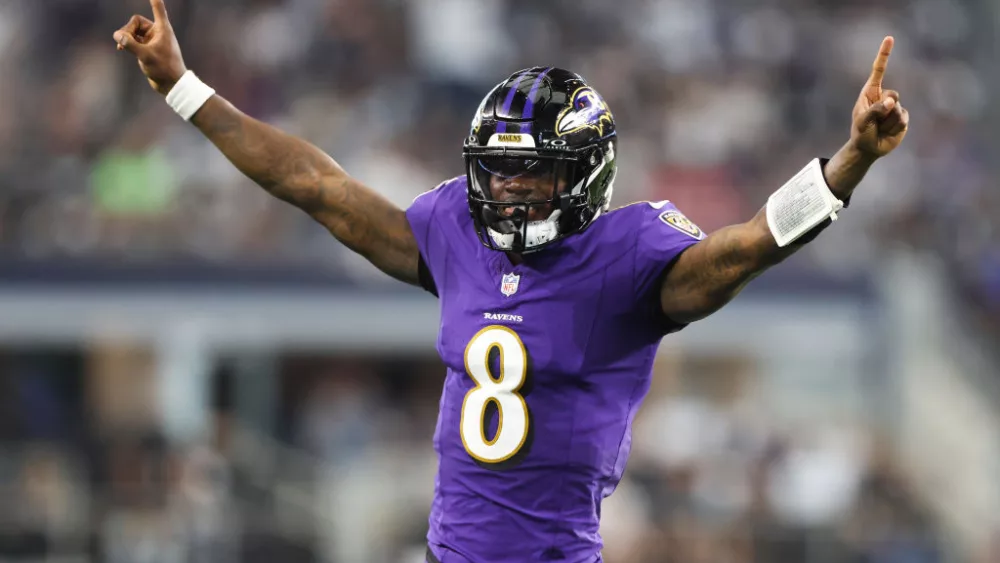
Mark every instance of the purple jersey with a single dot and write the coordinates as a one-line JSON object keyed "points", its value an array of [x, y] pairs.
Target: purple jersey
{"points": [[547, 361]]}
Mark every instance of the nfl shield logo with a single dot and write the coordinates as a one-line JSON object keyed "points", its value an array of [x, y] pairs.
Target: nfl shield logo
{"points": [[508, 286]]}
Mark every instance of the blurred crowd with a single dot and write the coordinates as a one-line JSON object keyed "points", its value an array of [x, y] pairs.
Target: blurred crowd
{"points": [[718, 103], [718, 478], [345, 473]]}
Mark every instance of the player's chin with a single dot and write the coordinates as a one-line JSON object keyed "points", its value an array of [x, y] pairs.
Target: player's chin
{"points": [[539, 214]]}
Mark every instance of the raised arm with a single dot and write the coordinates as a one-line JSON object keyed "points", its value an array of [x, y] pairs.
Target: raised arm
{"points": [[712, 272], [287, 167]]}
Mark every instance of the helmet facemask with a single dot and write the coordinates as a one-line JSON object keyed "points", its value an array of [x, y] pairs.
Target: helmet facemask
{"points": [[525, 225]]}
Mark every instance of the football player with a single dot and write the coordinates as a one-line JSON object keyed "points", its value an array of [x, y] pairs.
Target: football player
{"points": [[552, 306]]}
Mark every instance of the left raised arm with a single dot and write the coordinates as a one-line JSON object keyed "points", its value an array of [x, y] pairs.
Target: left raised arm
{"points": [[712, 272]]}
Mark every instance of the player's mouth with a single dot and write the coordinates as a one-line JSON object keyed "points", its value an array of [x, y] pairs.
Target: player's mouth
{"points": [[535, 212]]}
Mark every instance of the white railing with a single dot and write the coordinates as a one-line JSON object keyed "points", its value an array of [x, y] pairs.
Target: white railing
{"points": [[947, 424]]}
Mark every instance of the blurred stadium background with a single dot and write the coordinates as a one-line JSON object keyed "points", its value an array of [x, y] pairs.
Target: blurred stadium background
{"points": [[192, 372]]}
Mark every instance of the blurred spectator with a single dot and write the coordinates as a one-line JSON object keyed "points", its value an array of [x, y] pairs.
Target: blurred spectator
{"points": [[718, 103]]}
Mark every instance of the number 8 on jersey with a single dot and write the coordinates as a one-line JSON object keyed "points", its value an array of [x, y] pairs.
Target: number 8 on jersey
{"points": [[502, 391]]}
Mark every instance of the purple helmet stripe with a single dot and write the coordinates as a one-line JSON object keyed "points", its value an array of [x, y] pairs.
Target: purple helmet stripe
{"points": [[509, 101], [529, 107]]}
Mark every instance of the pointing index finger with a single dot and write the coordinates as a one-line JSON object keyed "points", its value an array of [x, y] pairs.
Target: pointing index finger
{"points": [[159, 10], [878, 67]]}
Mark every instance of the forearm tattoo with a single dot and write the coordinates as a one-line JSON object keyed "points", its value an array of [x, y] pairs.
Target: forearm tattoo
{"points": [[711, 273], [297, 172]]}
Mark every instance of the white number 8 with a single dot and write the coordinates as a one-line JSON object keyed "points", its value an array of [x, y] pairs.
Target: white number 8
{"points": [[502, 391]]}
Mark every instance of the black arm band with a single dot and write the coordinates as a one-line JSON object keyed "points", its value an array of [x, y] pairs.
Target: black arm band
{"points": [[424, 275]]}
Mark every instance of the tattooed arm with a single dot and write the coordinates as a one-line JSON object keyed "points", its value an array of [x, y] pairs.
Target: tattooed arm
{"points": [[297, 172], [287, 167], [712, 272]]}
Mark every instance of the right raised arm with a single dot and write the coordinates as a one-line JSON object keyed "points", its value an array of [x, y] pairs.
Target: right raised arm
{"points": [[287, 167], [297, 172]]}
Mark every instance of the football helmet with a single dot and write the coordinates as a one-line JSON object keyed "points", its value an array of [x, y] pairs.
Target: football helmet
{"points": [[543, 123]]}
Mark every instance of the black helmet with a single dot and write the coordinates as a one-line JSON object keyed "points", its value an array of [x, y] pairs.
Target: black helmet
{"points": [[540, 121]]}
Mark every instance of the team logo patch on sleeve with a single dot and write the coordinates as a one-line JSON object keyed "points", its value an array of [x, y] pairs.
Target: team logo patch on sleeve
{"points": [[677, 220]]}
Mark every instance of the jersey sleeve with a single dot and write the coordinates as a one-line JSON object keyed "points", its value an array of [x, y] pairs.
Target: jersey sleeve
{"points": [[664, 234], [421, 214]]}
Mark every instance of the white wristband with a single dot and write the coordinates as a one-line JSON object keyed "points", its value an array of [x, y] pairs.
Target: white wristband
{"points": [[802, 203], [188, 95]]}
